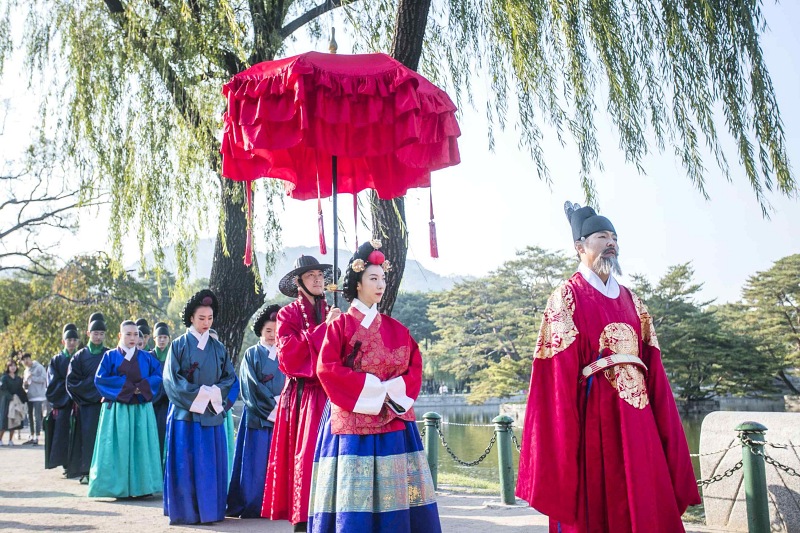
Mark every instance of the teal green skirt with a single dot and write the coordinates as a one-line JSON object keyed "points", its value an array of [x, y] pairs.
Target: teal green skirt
{"points": [[126, 459], [230, 437]]}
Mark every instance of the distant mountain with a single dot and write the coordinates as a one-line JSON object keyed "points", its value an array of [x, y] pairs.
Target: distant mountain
{"points": [[416, 278]]}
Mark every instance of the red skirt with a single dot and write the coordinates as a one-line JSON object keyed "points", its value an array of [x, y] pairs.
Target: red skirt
{"points": [[291, 459]]}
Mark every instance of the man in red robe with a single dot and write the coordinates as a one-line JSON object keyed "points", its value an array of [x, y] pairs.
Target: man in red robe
{"points": [[603, 448], [300, 331]]}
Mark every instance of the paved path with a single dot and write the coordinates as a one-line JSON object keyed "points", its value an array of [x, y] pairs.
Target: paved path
{"points": [[34, 499]]}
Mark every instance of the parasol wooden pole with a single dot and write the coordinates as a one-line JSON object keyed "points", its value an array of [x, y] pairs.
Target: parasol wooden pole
{"points": [[335, 230]]}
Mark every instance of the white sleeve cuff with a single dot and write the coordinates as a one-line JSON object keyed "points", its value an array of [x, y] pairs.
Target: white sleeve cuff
{"points": [[370, 401], [201, 400], [216, 399], [396, 389], [273, 415]]}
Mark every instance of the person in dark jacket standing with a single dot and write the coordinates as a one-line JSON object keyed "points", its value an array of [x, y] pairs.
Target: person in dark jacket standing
{"points": [[10, 387], [82, 390]]}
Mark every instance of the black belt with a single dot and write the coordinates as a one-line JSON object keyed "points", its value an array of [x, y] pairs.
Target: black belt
{"points": [[301, 382]]}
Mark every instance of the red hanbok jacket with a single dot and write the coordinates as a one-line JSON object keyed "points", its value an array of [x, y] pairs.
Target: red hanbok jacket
{"points": [[386, 367], [616, 459]]}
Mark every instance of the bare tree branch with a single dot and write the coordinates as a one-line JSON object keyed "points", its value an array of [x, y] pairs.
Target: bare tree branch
{"points": [[308, 16]]}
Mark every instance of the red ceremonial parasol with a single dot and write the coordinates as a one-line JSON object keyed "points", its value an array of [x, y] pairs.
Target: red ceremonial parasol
{"points": [[326, 123]]}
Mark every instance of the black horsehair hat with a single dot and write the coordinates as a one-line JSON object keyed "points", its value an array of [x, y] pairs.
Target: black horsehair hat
{"points": [[143, 326], [161, 328], [267, 314], [97, 322], [70, 332], [204, 297], [303, 264], [585, 221]]}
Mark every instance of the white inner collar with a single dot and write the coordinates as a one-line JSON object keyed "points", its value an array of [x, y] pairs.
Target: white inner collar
{"points": [[610, 289], [369, 312], [127, 352], [271, 348], [202, 340]]}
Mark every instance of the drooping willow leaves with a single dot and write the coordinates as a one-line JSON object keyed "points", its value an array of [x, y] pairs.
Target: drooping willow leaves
{"points": [[134, 87]]}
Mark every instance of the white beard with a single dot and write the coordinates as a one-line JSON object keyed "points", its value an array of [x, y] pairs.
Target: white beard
{"points": [[607, 265]]}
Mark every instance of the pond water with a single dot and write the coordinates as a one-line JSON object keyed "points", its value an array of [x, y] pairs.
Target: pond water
{"points": [[468, 443]]}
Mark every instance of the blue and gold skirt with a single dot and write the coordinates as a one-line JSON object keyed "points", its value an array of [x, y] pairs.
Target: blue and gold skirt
{"points": [[372, 483]]}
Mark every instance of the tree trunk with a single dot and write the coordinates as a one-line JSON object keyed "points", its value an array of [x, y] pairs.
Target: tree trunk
{"points": [[240, 294], [412, 17]]}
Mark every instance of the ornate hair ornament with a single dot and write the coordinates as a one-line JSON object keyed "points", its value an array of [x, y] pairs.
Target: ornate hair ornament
{"points": [[207, 301], [376, 243], [359, 265]]}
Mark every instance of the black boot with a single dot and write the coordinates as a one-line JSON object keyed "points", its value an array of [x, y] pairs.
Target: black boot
{"points": [[301, 526]]}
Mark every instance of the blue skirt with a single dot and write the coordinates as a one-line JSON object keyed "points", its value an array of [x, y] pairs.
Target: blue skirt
{"points": [[195, 472], [372, 483], [246, 491]]}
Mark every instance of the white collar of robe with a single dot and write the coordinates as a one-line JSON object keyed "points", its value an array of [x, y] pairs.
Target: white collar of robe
{"points": [[369, 312], [273, 351], [127, 352], [201, 339], [610, 289]]}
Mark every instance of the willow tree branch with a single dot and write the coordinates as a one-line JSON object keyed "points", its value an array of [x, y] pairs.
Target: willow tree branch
{"points": [[308, 16], [180, 96]]}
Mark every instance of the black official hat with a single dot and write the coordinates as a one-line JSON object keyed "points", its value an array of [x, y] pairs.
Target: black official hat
{"points": [[70, 332], [143, 326], [585, 221], [161, 328], [97, 322], [69, 325]]}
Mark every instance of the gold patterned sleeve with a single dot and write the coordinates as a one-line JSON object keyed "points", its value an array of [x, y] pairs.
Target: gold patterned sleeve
{"points": [[558, 329], [649, 337]]}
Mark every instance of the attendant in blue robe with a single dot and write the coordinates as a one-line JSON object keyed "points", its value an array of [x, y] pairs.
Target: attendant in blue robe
{"points": [[84, 393], [198, 376], [57, 423], [262, 383], [126, 462], [161, 401]]}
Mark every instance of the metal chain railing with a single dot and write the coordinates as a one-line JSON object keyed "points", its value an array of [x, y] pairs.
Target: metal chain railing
{"points": [[456, 458], [747, 441], [720, 477], [731, 447], [517, 445]]}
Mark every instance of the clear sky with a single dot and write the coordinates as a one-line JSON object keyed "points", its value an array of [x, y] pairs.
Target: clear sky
{"points": [[493, 204]]}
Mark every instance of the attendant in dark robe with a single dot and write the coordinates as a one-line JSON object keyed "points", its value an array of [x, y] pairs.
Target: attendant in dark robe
{"points": [[262, 382], [11, 392], [147, 334], [126, 461], [86, 398], [161, 401], [198, 376], [58, 420], [370, 471], [301, 329], [603, 448]]}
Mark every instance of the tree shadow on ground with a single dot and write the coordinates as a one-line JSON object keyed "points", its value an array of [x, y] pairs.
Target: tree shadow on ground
{"points": [[52, 510], [33, 527], [35, 494]]}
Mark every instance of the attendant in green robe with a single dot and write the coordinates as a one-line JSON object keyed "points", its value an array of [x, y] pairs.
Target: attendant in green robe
{"points": [[126, 462]]}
